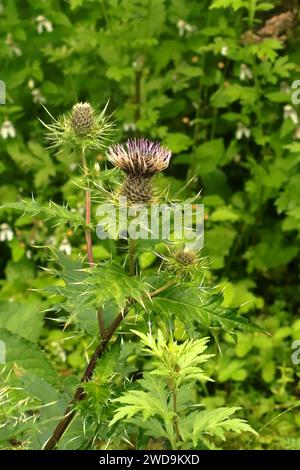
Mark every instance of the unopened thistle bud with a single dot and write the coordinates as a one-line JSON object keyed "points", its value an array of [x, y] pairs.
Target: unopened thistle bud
{"points": [[183, 262], [82, 119], [83, 127], [140, 159], [186, 257]]}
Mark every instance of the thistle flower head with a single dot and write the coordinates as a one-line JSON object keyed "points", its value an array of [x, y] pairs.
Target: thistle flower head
{"points": [[186, 257], [83, 127], [140, 157], [183, 262], [82, 118], [137, 189]]}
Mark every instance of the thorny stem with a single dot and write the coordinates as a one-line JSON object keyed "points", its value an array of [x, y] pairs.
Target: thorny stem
{"points": [[88, 235], [88, 373], [80, 392], [175, 419]]}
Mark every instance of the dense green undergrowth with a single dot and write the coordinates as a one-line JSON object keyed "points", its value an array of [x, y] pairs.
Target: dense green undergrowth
{"points": [[212, 81]]}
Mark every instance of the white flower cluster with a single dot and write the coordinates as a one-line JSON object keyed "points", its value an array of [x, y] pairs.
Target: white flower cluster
{"points": [[245, 73], [290, 112], [65, 247], [7, 130], [185, 28], [37, 96], [6, 233], [242, 131], [12, 45], [43, 24]]}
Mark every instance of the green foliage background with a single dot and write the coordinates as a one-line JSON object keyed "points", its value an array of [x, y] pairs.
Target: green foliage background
{"points": [[173, 72]]}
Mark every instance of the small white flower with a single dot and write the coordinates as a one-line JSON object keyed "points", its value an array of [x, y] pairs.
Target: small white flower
{"points": [[245, 73], [290, 112], [129, 126], [12, 45], [65, 247], [43, 24], [37, 96], [297, 133], [184, 27], [224, 51], [73, 166], [7, 130], [80, 208], [97, 167], [285, 88], [51, 241], [31, 83], [28, 254], [6, 233], [242, 131]]}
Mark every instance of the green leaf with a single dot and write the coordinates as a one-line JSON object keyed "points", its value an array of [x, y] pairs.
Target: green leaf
{"points": [[213, 423], [191, 306], [60, 214], [209, 155], [149, 403], [23, 318], [178, 142], [26, 356]]}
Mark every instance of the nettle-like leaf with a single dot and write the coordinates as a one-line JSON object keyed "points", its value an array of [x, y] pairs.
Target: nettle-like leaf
{"points": [[213, 423], [234, 4], [151, 401], [85, 290], [194, 306], [165, 397], [61, 215], [181, 361], [24, 318], [26, 357]]}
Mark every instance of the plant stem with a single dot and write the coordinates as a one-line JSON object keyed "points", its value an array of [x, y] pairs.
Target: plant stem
{"points": [[131, 257], [175, 419], [161, 289], [88, 236], [88, 204], [251, 12], [88, 373], [138, 78]]}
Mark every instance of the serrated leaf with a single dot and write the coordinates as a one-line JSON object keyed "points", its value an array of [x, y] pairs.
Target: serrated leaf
{"points": [[26, 356]]}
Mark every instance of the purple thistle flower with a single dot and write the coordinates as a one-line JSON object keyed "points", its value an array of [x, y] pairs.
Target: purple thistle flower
{"points": [[140, 157]]}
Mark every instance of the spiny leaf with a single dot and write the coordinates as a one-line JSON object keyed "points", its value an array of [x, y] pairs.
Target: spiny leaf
{"points": [[190, 305], [53, 211]]}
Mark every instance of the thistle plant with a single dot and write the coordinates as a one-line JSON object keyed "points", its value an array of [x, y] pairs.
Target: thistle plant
{"points": [[101, 300]]}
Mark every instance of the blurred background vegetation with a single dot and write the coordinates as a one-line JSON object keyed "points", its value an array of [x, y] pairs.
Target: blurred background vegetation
{"points": [[211, 80]]}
